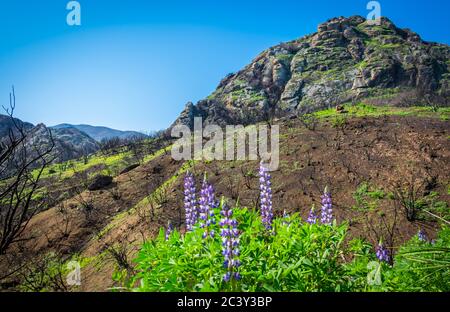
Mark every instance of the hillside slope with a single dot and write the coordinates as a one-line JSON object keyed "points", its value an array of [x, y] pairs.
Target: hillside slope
{"points": [[382, 149], [364, 153]]}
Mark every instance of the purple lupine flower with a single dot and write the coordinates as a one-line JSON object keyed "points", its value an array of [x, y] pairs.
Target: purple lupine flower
{"points": [[190, 201], [382, 253], [265, 187], [230, 243], [326, 214], [169, 230], [207, 202], [422, 236], [312, 217]]}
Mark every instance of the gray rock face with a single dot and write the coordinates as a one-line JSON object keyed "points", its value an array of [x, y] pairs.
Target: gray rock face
{"points": [[345, 59]]}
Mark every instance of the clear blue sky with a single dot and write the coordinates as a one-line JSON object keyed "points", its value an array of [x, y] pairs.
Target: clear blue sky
{"points": [[134, 64]]}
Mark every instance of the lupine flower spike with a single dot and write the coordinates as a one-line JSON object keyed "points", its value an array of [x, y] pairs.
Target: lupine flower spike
{"points": [[265, 187], [326, 215], [382, 253], [312, 217], [230, 243], [190, 201], [207, 203], [169, 229], [422, 236]]}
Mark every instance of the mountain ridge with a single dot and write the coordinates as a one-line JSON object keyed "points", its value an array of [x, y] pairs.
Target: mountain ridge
{"points": [[69, 143], [99, 133], [7, 124]]}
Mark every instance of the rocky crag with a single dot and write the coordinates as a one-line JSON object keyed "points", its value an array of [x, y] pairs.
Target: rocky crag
{"points": [[345, 60]]}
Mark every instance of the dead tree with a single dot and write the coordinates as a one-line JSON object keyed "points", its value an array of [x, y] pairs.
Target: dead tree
{"points": [[409, 195], [21, 166], [46, 273]]}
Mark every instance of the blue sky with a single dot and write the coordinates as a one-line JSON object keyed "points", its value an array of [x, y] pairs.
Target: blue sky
{"points": [[132, 65]]}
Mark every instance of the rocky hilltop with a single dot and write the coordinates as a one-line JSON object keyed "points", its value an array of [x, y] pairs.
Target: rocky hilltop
{"points": [[346, 59]]}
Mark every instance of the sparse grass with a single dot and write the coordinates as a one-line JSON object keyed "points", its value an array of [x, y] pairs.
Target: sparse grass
{"points": [[146, 200], [361, 65], [186, 166], [156, 154], [285, 58], [364, 110], [69, 168], [256, 98], [390, 46], [110, 163]]}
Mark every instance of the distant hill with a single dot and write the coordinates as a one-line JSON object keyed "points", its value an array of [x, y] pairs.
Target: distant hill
{"points": [[100, 133], [70, 143], [7, 124], [79, 142]]}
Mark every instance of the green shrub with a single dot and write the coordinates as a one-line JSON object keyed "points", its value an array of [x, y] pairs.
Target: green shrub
{"points": [[421, 266], [296, 256], [47, 273], [367, 197], [418, 266]]}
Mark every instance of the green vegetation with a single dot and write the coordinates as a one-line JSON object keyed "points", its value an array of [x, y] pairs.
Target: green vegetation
{"points": [[256, 97], [390, 46], [237, 94], [339, 121], [296, 256], [367, 198], [158, 153], [365, 110], [431, 203], [109, 163], [69, 168], [285, 58], [48, 274], [361, 65], [418, 266]]}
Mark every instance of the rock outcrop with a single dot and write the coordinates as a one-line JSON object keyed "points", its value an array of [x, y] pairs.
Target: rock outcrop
{"points": [[346, 59], [100, 182]]}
